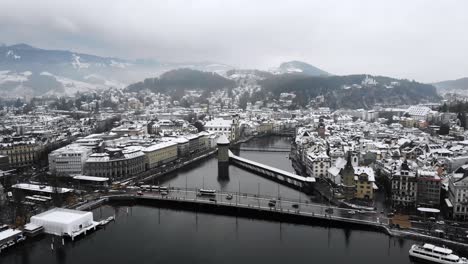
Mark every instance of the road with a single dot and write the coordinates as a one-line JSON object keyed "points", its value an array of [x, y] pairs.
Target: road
{"points": [[264, 203]]}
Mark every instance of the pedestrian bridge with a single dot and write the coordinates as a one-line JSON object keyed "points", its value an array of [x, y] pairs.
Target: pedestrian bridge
{"points": [[284, 177], [265, 149]]}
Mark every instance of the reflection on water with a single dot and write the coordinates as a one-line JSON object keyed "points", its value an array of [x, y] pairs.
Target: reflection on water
{"points": [[152, 235]]}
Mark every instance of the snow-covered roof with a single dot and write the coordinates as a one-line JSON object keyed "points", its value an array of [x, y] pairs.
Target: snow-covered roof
{"points": [[367, 170], [279, 171], [417, 110], [90, 178], [60, 215], [9, 233], [40, 188], [222, 140], [159, 146], [218, 122]]}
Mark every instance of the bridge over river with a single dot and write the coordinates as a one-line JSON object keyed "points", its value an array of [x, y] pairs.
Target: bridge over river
{"points": [[284, 177], [253, 205]]}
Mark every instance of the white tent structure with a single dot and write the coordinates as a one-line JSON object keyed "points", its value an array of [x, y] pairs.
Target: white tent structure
{"points": [[60, 221]]}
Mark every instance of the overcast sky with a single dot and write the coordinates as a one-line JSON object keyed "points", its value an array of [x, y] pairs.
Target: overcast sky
{"points": [[422, 40]]}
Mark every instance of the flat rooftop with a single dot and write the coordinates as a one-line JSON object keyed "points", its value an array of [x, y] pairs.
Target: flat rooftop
{"points": [[40, 188], [9, 233], [61, 215], [90, 178]]}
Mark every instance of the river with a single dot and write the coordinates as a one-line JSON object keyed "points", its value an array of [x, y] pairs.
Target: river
{"points": [[143, 234]]}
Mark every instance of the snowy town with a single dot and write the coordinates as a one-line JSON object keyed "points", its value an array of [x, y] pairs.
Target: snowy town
{"points": [[407, 165], [233, 132]]}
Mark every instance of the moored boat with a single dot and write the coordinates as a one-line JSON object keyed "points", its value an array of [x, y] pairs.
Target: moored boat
{"points": [[434, 254]]}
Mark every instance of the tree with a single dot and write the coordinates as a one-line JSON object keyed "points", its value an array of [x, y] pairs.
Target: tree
{"points": [[243, 100], [444, 129], [199, 125], [444, 108], [27, 108], [462, 118]]}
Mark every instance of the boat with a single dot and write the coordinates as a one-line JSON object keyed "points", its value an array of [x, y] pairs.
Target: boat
{"points": [[434, 254], [207, 192], [106, 221]]}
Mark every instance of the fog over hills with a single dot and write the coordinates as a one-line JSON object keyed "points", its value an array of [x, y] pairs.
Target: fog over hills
{"points": [[29, 71], [457, 86]]}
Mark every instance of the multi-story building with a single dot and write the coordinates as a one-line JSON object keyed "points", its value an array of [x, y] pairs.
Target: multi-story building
{"points": [[221, 126], [182, 146], [22, 153], [160, 153], [265, 127], [317, 164], [4, 162], [130, 130], [429, 187], [365, 183], [115, 163], [194, 143], [404, 186], [69, 159], [458, 196]]}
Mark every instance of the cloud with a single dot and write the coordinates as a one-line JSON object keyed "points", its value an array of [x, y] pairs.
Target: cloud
{"points": [[422, 40]]}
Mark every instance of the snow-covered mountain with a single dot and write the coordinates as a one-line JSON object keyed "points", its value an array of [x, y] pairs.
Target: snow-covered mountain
{"points": [[30, 71], [299, 67]]}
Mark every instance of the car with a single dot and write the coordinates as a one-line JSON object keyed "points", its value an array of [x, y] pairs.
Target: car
{"points": [[272, 203], [440, 222], [229, 197], [351, 212], [329, 210], [140, 193], [164, 193], [295, 206]]}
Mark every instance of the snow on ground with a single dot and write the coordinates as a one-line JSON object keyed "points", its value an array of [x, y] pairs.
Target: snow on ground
{"points": [[77, 64], [8, 76], [46, 73], [117, 64], [293, 70], [104, 81], [11, 54]]}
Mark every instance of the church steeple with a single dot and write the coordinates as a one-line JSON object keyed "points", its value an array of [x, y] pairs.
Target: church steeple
{"points": [[347, 176], [349, 163]]}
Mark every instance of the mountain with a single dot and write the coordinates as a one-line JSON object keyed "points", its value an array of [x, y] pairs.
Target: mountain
{"points": [[177, 82], [299, 67], [352, 91], [453, 85], [30, 71]]}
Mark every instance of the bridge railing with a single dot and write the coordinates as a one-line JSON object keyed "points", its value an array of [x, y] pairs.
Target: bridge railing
{"points": [[379, 221]]}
